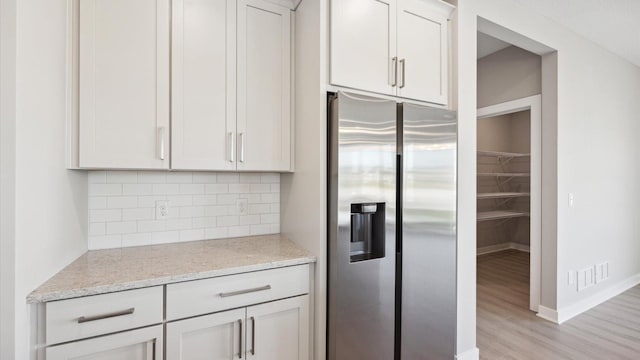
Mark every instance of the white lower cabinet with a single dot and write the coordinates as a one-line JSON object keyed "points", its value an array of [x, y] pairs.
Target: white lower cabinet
{"points": [[259, 315], [141, 344], [277, 330]]}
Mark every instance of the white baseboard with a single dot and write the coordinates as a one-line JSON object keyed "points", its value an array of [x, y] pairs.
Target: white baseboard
{"points": [[596, 299], [547, 314], [472, 354], [502, 247]]}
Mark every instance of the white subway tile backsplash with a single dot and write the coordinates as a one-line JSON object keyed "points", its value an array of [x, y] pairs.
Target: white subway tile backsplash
{"points": [[179, 178], [105, 215], [178, 224], [249, 178], [270, 178], [151, 177], [140, 239], [205, 199], [137, 189], [204, 222], [191, 235], [204, 178], [122, 177], [121, 227], [122, 202], [105, 189], [216, 210], [165, 237], [202, 205], [192, 189], [150, 200], [228, 178], [97, 202], [259, 208], [236, 231], [216, 233], [149, 226], [97, 177], [260, 188], [217, 188], [138, 214], [97, 229], [166, 189], [227, 199], [105, 242], [228, 220], [250, 220]]}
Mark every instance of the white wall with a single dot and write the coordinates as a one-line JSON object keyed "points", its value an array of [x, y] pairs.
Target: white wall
{"points": [[303, 193], [597, 127], [51, 202], [509, 74], [7, 175]]}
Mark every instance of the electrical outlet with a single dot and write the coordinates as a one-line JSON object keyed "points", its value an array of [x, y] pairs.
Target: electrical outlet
{"points": [[162, 210], [586, 278], [242, 206], [571, 277], [571, 199]]}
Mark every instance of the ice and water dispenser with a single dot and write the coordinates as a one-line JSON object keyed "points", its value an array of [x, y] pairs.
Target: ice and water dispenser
{"points": [[367, 231]]}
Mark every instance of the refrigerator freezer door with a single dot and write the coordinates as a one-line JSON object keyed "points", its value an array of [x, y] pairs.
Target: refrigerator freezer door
{"points": [[428, 233], [362, 198]]}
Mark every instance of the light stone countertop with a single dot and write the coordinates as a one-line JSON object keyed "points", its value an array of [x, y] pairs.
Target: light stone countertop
{"points": [[104, 271]]}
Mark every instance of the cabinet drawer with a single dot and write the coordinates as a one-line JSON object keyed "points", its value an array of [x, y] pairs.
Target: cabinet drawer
{"points": [[88, 316], [211, 295]]}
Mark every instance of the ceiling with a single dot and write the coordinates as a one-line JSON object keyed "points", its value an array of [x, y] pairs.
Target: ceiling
{"points": [[613, 24], [488, 45]]}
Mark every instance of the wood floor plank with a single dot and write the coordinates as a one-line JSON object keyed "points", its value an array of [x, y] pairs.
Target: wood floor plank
{"points": [[507, 329]]}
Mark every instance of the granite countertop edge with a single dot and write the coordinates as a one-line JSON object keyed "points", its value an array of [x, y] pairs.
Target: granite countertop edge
{"points": [[44, 296]]}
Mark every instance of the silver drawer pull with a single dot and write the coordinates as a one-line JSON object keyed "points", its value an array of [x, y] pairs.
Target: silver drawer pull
{"points": [[246, 291], [84, 319]]}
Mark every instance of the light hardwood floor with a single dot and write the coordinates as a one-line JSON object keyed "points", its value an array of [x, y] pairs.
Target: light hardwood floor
{"points": [[508, 330]]}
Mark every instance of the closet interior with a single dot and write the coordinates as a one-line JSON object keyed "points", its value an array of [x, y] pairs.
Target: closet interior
{"points": [[504, 167]]}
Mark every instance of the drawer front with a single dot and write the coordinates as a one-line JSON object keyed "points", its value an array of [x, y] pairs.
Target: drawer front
{"points": [[88, 316], [211, 295]]}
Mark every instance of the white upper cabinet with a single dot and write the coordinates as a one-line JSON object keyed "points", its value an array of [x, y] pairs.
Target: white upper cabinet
{"points": [[392, 47], [123, 89], [203, 84], [363, 44], [228, 64], [264, 86], [423, 51]]}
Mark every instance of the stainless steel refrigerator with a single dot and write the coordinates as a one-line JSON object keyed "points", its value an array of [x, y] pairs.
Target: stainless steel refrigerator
{"points": [[392, 230]]}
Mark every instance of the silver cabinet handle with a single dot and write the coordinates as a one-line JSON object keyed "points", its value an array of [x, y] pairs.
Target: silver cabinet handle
{"points": [[241, 157], [84, 319], [394, 71], [246, 291], [253, 335], [161, 131], [240, 341], [232, 147], [402, 65]]}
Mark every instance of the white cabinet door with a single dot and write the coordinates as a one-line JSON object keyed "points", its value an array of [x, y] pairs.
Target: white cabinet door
{"points": [[363, 44], [203, 84], [422, 52], [279, 330], [212, 337], [264, 86], [124, 84], [142, 344]]}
